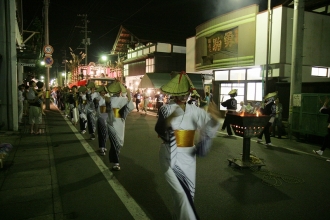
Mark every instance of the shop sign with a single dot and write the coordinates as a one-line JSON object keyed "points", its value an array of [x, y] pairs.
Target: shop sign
{"points": [[223, 42]]}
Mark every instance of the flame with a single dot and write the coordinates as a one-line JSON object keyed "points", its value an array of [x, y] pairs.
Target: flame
{"points": [[257, 113], [242, 114]]}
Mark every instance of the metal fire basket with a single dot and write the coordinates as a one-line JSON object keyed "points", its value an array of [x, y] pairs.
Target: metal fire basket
{"points": [[247, 126]]}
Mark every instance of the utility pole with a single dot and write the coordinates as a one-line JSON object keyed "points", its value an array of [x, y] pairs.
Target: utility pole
{"points": [[297, 51], [46, 2], [85, 41], [269, 14]]}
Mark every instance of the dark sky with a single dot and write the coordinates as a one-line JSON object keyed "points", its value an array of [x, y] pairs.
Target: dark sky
{"points": [[106, 16]]}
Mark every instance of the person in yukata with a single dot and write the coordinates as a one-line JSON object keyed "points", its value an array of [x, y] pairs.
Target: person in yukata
{"points": [[92, 96], [231, 105], [103, 103], [121, 105], [176, 126], [82, 108], [268, 108]]}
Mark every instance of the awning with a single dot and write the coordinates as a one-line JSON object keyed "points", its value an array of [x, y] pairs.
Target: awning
{"points": [[154, 80], [145, 82]]}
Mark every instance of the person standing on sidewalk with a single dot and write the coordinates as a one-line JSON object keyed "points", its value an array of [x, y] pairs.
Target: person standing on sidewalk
{"points": [[176, 126], [35, 113], [20, 103], [231, 105], [326, 143], [121, 106], [268, 109], [278, 119]]}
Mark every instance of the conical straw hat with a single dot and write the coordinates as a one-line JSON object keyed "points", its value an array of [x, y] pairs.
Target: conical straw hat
{"points": [[233, 91], [91, 85], [179, 85], [82, 89], [270, 95], [116, 87], [101, 88]]}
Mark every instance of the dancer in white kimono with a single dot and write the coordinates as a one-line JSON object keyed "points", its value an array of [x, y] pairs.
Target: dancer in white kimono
{"points": [[176, 125], [82, 108], [73, 101], [120, 106], [92, 105], [102, 115]]}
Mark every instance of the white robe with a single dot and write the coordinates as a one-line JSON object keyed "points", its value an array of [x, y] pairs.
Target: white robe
{"points": [[119, 123], [179, 163]]}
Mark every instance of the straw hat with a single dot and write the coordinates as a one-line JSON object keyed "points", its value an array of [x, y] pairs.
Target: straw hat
{"points": [[233, 91], [271, 95], [179, 85], [82, 89], [116, 87], [91, 85], [101, 89]]}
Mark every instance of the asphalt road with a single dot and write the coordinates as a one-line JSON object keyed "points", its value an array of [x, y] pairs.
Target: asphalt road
{"points": [[294, 184]]}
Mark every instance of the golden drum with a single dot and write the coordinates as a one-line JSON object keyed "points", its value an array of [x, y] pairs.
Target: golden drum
{"points": [[103, 109], [184, 138], [116, 112]]}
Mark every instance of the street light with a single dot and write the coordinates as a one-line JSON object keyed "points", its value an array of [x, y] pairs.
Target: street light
{"points": [[104, 57], [64, 74]]}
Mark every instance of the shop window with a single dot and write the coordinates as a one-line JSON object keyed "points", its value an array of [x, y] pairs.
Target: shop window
{"points": [[150, 65], [126, 70], [237, 74], [253, 74], [221, 75], [317, 71], [146, 50], [225, 88], [254, 91]]}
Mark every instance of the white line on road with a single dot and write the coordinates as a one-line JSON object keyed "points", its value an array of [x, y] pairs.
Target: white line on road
{"points": [[124, 196]]}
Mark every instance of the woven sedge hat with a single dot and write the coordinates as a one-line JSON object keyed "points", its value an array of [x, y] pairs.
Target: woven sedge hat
{"points": [[116, 87], [91, 85], [82, 89], [233, 91], [271, 95], [101, 89], [179, 85]]}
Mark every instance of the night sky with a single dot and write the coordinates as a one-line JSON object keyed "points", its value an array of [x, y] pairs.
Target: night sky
{"points": [[106, 16]]}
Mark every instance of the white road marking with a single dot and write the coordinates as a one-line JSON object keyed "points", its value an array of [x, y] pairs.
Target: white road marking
{"points": [[131, 205]]}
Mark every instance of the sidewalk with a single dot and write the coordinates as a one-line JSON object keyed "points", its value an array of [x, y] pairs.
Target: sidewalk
{"points": [[29, 188]]}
